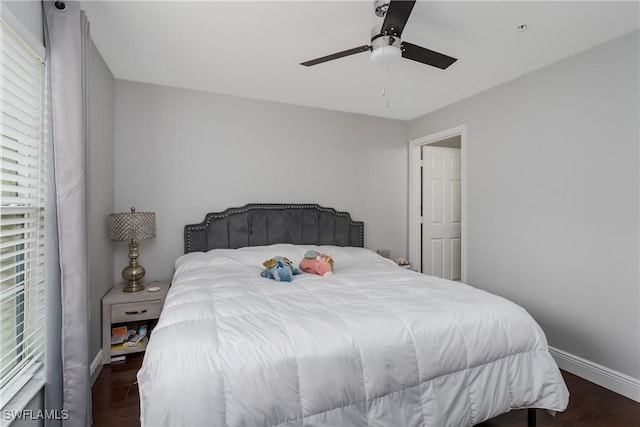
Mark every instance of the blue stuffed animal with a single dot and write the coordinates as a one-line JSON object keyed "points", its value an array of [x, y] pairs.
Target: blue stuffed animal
{"points": [[280, 269]]}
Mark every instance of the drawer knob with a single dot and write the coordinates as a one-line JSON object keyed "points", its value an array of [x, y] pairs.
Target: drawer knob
{"points": [[136, 312]]}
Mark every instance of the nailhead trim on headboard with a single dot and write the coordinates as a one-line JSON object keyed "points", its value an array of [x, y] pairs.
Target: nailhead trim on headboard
{"points": [[357, 226]]}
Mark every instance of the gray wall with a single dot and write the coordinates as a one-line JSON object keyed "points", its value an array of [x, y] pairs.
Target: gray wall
{"points": [[101, 164], [553, 198], [184, 153], [29, 13]]}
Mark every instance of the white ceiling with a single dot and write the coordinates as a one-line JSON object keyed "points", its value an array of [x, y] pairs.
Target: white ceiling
{"points": [[253, 48]]}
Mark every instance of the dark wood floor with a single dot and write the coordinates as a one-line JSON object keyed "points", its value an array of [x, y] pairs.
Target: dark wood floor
{"points": [[116, 403]]}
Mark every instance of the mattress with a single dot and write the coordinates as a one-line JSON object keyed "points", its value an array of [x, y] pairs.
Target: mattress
{"points": [[373, 344]]}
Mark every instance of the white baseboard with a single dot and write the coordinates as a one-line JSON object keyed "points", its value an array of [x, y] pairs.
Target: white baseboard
{"points": [[598, 374], [96, 367]]}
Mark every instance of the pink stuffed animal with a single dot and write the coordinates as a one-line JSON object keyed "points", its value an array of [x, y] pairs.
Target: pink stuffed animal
{"points": [[317, 263]]}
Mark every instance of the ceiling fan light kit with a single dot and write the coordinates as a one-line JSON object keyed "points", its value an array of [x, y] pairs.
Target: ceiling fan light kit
{"points": [[386, 55], [386, 46], [385, 50]]}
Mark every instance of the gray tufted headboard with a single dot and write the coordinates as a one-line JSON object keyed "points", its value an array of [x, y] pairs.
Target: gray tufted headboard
{"points": [[259, 224]]}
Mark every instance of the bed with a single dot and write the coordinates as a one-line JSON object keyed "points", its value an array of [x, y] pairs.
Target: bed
{"points": [[373, 344]]}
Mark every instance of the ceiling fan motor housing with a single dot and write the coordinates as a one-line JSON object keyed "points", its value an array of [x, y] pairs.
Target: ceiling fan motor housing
{"points": [[380, 7]]}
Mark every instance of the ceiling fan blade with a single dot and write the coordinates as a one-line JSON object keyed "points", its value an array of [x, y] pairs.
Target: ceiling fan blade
{"points": [[397, 16], [426, 56], [337, 55]]}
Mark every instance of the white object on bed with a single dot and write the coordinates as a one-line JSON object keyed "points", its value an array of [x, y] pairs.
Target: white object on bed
{"points": [[371, 345]]}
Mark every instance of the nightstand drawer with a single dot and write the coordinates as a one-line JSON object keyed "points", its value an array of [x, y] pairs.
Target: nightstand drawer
{"points": [[132, 311]]}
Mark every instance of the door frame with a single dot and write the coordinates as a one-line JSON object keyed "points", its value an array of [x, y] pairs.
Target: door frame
{"points": [[415, 190]]}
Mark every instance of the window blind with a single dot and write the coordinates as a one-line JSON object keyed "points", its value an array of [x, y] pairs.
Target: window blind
{"points": [[22, 291]]}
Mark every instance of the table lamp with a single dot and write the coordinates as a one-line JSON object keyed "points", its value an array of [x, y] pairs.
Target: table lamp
{"points": [[132, 226]]}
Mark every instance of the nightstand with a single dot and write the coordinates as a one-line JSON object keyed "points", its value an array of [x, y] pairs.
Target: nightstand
{"points": [[130, 309]]}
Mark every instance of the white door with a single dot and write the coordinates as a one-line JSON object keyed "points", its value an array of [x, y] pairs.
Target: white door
{"points": [[441, 219]]}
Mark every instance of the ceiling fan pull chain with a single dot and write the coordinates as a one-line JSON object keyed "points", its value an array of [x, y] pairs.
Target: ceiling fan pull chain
{"points": [[386, 86], [386, 81]]}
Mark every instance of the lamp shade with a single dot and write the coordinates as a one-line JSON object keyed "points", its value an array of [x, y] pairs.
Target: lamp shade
{"points": [[132, 225]]}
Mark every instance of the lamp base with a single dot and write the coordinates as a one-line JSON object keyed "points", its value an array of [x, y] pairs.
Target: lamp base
{"points": [[133, 287], [134, 272]]}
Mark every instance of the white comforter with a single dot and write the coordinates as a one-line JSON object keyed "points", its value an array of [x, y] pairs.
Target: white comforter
{"points": [[372, 345]]}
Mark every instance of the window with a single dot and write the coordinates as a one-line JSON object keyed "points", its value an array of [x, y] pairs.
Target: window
{"points": [[22, 291]]}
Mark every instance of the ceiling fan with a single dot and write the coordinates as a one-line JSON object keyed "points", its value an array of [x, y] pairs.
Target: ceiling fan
{"points": [[386, 46]]}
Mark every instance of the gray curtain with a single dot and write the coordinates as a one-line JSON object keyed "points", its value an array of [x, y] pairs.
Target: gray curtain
{"points": [[66, 40], [53, 363]]}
